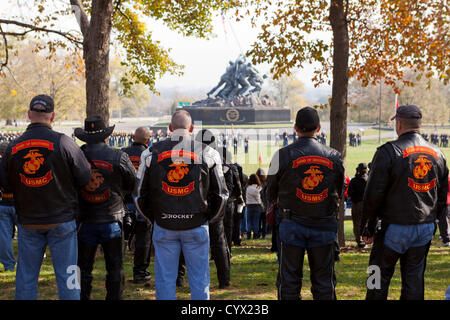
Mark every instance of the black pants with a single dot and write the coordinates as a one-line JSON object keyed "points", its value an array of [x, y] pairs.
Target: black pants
{"points": [[228, 223], [143, 244], [219, 253], [290, 273], [412, 267], [443, 222], [262, 224], [113, 252], [236, 234]]}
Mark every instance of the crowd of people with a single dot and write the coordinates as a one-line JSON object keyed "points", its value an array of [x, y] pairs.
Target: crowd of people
{"points": [[436, 139], [186, 198], [354, 139]]}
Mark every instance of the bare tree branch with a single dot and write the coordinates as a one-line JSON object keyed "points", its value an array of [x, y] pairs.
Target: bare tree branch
{"points": [[5, 42], [81, 16], [31, 28]]}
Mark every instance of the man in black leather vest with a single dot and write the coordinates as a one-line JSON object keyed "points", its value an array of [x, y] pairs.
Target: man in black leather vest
{"points": [[141, 228], [102, 207], [405, 192], [306, 179], [181, 187], [44, 170]]}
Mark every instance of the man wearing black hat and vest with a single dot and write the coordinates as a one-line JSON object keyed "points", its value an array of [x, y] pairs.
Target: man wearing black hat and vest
{"points": [[181, 188], [44, 170], [102, 207], [356, 189], [406, 190], [306, 179], [141, 227]]}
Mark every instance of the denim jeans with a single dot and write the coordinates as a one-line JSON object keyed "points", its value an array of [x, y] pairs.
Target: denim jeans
{"points": [[253, 216], [194, 244], [295, 234], [8, 220], [98, 233], [62, 241], [243, 225], [401, 237]]}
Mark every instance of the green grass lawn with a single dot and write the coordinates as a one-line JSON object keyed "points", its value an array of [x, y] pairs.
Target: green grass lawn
{"points": [[253, 274]]}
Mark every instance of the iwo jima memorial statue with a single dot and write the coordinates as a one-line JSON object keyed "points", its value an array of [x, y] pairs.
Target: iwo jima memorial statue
{"points": [[238, 101]]}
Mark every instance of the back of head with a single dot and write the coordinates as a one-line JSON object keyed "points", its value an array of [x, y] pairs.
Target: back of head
{"points": [[362, 168], [181, 119], [307, 120], [41, 109], [409, 116], [261, 175], [253, 179], [141, 135]]}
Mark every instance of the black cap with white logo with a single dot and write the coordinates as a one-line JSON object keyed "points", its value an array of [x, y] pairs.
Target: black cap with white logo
{"points": [[408, 112], [42, 103]]}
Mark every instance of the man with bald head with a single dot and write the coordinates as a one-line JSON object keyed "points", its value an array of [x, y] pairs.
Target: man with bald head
{"points": [[181, 188], [135, 224]]}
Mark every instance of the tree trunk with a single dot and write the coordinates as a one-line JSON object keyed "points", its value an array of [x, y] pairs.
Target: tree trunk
{"points": [[96, 54], [338, 111]]}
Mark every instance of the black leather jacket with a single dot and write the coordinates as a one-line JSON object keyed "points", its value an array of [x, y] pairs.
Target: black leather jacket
{"points": [[356, 187], [44, 170], [407, 183], [307, 179], [183, 185], [113, 175], [134, 153]]}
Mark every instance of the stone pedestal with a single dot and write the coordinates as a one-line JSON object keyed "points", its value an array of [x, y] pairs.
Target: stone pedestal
{"points": [[239, 115]]}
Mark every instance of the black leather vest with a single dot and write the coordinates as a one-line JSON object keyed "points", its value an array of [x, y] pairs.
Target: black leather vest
{"points": [[312, 179], [101, 201], [179, 183]]}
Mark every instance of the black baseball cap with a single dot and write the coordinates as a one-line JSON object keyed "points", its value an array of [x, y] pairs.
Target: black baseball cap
{"points": [[307, 119], [408, 112], [42, 103]]}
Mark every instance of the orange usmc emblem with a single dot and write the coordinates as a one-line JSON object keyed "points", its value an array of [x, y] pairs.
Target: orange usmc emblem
{"points": [[315, 177], [420, 171], [423, 168], [96, 181], [180, 170], [35, 162]]}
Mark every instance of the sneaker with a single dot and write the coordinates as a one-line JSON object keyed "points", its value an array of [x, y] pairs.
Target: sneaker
{"points": [[142, 278], [446, 245]]}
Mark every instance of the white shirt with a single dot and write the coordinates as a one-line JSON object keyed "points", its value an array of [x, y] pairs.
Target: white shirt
{"points": [[253, 194]]}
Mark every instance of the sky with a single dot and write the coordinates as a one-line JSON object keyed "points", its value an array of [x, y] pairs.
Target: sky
{"points": [[204, 60]]}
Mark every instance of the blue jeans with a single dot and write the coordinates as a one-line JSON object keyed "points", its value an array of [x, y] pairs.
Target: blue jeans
{"points": [[62, 241], [401, 237], [243, 225], [98, 233], [253, 216], [295, 234], [8, 220], [195, 246]]}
